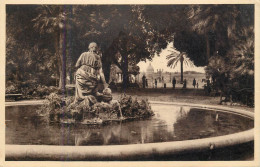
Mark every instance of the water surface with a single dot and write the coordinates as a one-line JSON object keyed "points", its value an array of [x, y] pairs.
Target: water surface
{"points": [[170, 123]]}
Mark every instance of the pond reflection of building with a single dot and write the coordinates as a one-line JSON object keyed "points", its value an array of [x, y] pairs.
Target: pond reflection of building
{"points": [[168, 117]]}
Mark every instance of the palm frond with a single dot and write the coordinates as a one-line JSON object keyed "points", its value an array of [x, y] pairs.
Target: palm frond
{"points": [[172, 55], [188, 62], [173, 62]]}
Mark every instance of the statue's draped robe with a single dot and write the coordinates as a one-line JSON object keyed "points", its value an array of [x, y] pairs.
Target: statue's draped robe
{"points": [[87, 77]]}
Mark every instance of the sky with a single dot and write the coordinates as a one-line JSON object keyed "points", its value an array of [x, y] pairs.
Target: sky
{"points": [[160, 62]]}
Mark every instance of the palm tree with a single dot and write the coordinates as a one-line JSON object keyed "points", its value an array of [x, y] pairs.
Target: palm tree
{"points": [[175, 57], [52, 19], [219, 20], [241, 55]]}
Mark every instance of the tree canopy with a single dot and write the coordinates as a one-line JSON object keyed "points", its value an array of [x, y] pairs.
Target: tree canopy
{"points": [[46, 40]]}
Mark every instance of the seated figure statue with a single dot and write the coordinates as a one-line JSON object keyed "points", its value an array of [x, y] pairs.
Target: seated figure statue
{"points": [[87, 76], [89, 106]]}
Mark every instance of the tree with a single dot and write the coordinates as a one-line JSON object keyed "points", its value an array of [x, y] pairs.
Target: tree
{"points": [[239, 62], [138, 42], [171, 21], [28, 55], [52, 19], [123, 34], [214, 22], [126, 35], [175, 57]]}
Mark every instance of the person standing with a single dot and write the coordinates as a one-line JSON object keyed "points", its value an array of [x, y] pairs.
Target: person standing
{"points": [[194, 82], [146, 83], [155, 82], [173, 83], [208, 86], [143, 79], [184, 84]]}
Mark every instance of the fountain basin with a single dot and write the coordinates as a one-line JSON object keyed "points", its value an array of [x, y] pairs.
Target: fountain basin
{"points": [[169, 150]]}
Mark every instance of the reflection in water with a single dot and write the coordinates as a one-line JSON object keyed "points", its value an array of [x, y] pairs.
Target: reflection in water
{"points": [[82, 137], [170, 123]]}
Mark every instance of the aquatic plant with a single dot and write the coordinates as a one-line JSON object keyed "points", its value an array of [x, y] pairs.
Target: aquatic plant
{"points": [[57, 109]]}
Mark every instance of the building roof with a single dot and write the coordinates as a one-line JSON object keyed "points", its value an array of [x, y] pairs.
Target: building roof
{"points": [[150, 68]]}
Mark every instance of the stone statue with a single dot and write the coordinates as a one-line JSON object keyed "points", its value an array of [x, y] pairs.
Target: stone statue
{"points": [[90, 106], [88, 75]]}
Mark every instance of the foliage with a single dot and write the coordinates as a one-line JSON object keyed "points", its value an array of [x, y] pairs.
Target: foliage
{"points": [[116, 28], [134, 108], [51, 106], [176, 57], [229, 36], [28, 55], [44, 41], [54, 20], [237, 68], [11, 89], [57, 109]]}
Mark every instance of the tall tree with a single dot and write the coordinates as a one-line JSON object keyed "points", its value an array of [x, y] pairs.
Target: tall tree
{"points": [[175, 57], [215, 22], [53, 19]]}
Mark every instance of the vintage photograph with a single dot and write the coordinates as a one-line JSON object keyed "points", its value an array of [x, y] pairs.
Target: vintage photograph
{"points": [[129, 82]]}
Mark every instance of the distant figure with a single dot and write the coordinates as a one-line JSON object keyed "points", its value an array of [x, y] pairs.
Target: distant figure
{"points": [[194, 82], [208, 82], [155, 82], [208, 86], [184, 84], [146, 83], [173, 83], [143, 79], [197, 85]]}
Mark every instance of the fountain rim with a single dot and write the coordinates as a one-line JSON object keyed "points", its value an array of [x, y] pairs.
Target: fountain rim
{"points": [[51, 152]]}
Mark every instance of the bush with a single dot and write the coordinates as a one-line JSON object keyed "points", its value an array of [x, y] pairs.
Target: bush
{"points": [[133, 108]]}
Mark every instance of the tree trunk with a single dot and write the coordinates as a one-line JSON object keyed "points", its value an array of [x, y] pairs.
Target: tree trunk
{"points": [[181, 60], [125, 70], [123, 39], [207, 47], [106, 69], [62, 50], [106, 64], [57, 53]]}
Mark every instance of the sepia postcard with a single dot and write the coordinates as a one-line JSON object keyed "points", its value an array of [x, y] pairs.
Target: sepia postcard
{"points": [[134, 83]]}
